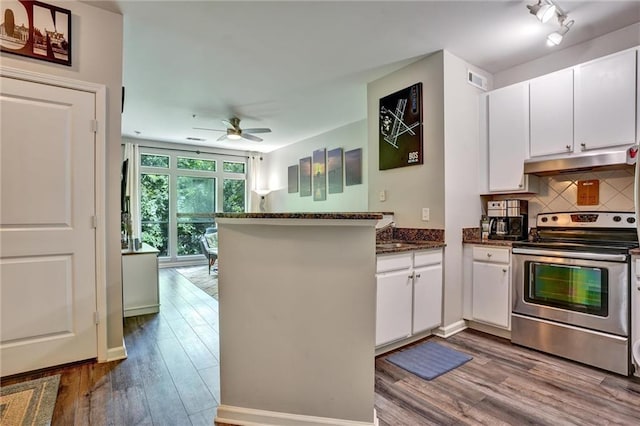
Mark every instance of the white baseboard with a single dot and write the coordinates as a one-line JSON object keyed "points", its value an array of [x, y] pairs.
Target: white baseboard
{"points": [[141, 310], [114, 354], [485, 328], [451, 329], [252, 417]]}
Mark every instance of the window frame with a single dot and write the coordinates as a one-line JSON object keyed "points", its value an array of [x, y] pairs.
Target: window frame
{"points": [[173, 171]]}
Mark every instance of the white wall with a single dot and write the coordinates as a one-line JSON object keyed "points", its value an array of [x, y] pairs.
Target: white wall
{"points": [[297, 325], [409, 189], [97, 58], [462, 203], [616, 41], [276, 163]]}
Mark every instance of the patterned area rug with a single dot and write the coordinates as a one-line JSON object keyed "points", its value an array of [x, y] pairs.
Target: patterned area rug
{"points": [[29, 403], [199, 276]]}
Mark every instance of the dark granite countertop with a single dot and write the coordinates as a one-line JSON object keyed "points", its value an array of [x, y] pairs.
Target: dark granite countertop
{"points": [[500, 243], [339, 216], [472, 236], [398, 246]]}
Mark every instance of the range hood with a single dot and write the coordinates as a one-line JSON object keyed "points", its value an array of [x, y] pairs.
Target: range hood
{"points": [[602, 160]]}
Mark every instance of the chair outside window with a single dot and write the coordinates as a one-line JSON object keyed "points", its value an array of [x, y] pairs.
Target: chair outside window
{"points": [[209, 246]]}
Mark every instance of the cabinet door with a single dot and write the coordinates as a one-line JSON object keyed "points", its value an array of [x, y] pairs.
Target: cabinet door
{"points": [[605, 102], [393, 306], [491, 301], [508, 137], [551, 113], [427, 298]]}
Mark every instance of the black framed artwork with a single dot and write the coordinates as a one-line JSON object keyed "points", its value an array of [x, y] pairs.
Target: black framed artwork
{"points": [[292, 179], [400, 128], [36, 30], [305, 177], [353, 167], [334, 170], [320, 174]]}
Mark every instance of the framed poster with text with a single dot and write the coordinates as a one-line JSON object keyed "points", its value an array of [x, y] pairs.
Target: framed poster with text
{"points": [[400, 128], [36, 30]]}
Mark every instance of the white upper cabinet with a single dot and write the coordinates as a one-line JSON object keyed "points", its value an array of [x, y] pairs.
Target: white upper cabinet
{"points": [[605, 102], [551, 114], [508, 137]]}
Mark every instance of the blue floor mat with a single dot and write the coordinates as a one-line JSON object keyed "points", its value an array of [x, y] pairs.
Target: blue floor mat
{"points": [[429, 360]]}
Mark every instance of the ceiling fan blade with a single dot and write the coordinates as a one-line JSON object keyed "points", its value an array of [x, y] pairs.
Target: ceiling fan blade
{"points": [[228, 124], [251, 137], [257, 130], [221, 138], [211, 130]]}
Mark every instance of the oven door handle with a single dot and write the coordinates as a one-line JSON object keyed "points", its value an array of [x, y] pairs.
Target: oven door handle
{"points": [[572, 254]]}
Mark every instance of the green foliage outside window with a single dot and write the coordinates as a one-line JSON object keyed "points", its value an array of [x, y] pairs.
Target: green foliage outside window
{"points": [[231, 167], [154, 211], [195, 164], [195, 195], [150, 160], [233, 195]]}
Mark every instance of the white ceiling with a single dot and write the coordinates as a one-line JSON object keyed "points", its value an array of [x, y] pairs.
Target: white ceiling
{"points": [[301, 67]]}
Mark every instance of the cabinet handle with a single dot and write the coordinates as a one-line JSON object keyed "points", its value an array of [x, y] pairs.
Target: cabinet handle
{"points": [[583, 146], [504, 270], [568, 147], [488, 254], [417, 275], [411, 276], [520, 186]]}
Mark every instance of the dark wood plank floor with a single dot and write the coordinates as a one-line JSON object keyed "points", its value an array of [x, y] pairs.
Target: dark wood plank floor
{"points": [[171, 377]]}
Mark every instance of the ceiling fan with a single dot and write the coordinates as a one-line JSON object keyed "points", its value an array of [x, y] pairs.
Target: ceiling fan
{"points": [[234, 132]]}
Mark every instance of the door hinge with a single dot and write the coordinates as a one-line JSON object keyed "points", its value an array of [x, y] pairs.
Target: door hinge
{"points": [[96, 318], [94, 222], [94, 126]]}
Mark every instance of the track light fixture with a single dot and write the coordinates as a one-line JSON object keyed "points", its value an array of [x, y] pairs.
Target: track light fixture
{"points": [[555, 38], [544, 10]]}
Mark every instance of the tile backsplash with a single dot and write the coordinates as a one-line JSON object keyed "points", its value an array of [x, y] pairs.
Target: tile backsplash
{"points": [[560, 192]]}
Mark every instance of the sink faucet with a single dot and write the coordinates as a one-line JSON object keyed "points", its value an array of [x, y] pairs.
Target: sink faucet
{"points": [[385, 227]]}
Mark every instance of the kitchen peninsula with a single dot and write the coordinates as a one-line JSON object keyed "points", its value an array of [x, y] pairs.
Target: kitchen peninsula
{"points": [[297, 318]]}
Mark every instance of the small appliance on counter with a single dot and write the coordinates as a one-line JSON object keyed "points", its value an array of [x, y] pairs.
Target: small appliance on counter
{"points": [[508, 220]]}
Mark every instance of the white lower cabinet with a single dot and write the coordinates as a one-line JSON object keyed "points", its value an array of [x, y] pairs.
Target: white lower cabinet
{"points": [[491, 286], [393, 306], [427, 298], [140, 294], [409, 294]]}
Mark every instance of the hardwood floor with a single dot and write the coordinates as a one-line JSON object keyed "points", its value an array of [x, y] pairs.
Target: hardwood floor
{"points": [[505, 384], [171, 377]]}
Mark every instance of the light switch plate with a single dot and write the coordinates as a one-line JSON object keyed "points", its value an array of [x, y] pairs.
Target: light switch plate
{"points": [[382, 196], [425, 214]]}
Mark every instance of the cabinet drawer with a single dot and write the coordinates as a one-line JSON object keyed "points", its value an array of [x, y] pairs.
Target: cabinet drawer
{"points": [[393, 262], [429, 257], [491, 254]]}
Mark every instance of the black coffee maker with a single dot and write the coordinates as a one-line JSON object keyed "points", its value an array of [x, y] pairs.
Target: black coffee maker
{"points": [[508, 220]]}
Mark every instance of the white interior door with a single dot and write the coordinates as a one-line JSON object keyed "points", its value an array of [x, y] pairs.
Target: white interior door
{"points": [[47, 233]]}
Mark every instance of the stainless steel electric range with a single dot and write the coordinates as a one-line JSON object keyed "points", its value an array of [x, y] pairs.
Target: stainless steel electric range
{"points": [[571, 294]]}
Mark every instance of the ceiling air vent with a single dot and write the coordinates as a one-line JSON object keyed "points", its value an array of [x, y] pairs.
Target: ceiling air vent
{"points": [[196, 139], [477, 80]]}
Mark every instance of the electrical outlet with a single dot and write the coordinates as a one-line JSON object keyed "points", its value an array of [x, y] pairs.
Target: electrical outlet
{"points": [[425, 214], [382, 196]]}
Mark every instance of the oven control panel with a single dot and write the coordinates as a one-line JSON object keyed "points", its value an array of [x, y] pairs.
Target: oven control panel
{"points": [[587, 219]]}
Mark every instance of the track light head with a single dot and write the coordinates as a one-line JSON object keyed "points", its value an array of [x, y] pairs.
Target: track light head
{"points": [[546, 12], [556, 37]]}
